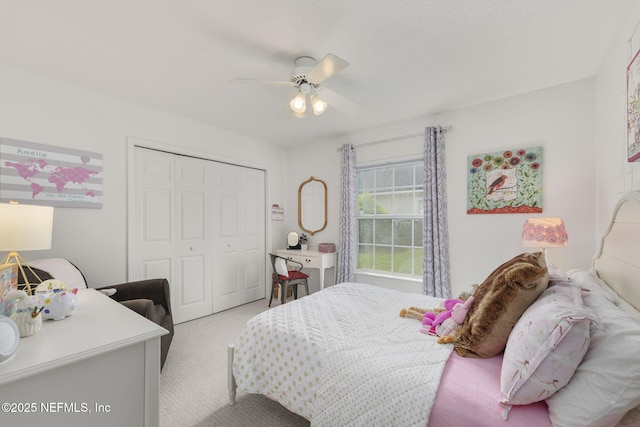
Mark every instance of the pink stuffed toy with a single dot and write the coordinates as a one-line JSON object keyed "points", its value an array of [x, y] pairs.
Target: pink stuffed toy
{"points": [[444, 323]]}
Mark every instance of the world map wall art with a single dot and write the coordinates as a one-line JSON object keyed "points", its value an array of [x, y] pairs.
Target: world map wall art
{"points": [[40, 174], [507, 181]]}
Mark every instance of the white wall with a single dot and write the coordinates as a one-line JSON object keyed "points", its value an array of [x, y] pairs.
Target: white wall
{"points": [[560, 119], [37, 109], [614, 175]]}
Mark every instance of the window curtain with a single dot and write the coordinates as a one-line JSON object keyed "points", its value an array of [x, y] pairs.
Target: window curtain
{"points": [[347, 257], [435, 263]]}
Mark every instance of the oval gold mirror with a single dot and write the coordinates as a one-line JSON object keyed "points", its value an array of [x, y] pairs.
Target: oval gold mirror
{"points": [[312, 205]]}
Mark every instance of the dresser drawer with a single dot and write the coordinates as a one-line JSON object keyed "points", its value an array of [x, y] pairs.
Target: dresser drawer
{"points": [[306, 261]]}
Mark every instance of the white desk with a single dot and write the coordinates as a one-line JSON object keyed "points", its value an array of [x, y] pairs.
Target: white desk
{"points": [[313, 259], [98, 367]]}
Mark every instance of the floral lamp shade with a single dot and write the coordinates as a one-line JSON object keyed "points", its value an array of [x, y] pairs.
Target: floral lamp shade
{"points": [[544, 233]]}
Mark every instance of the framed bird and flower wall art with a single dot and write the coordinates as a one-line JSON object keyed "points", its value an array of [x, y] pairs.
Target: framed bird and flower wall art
{"points": [[633, 109], [503, 182]]}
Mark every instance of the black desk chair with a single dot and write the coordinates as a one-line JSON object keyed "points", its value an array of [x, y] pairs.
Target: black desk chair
{"points": [[284, 277]]}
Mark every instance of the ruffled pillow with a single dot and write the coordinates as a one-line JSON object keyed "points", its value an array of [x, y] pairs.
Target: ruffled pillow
{"points": [[546, 346]]}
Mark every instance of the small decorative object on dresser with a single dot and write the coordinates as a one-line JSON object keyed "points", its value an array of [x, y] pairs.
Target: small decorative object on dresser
{"points": [[9, 338], [304, 242], [28, 322], [326, 247], [8, 278], [293, 240]]}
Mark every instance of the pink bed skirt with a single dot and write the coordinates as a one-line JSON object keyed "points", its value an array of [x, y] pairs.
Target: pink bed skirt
{"points": [[469, 395]]}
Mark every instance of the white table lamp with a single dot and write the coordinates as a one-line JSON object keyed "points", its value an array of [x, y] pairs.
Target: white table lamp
{"points": [[24, 228]]}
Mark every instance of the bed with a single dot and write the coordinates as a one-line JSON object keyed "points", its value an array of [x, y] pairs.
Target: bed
{"points": [[343, 356]]}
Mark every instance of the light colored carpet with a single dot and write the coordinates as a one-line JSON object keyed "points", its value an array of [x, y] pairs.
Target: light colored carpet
{"points": [[193, 383]]}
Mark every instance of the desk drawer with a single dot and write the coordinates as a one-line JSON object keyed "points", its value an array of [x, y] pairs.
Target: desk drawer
{"points": [[306, 261]]}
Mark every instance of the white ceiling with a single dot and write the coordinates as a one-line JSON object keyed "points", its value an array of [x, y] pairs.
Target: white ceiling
{"points": [[408, 57]]}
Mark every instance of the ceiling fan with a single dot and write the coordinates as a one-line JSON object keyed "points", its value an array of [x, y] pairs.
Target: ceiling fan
{"points": [[306, 76]]}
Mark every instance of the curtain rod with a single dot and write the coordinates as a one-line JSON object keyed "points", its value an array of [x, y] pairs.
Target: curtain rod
{"points": [[396, 138]]}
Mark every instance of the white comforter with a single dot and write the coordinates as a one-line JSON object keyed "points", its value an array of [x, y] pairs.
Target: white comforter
{"points": [[344, 356]]}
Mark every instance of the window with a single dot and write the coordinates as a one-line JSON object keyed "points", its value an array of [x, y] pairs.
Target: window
{"points": [[390, 215]]}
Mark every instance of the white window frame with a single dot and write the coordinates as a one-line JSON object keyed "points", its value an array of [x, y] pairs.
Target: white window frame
{"points": [[417, 214]]}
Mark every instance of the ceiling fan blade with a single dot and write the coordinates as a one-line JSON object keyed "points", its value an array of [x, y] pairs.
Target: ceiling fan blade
{"points": [[327, 67], [339, 102], [263, 82]]}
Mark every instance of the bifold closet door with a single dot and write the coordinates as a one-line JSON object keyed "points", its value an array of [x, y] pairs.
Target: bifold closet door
{"points": [[200, 224]]}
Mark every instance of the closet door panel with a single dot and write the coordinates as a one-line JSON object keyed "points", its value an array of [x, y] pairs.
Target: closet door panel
{"points": [[228, 216], [238, 270], [193, 289], [253, 233], [230, 263], [153, 238], [193, 232], [154, 268], [156, 211], [253, 272]]}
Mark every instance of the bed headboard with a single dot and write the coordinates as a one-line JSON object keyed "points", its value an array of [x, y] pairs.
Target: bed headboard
{"points": [[618, 260]]}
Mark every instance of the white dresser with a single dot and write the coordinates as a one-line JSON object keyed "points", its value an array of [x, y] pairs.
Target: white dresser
{"points": [[98, 367], [313, 259]]}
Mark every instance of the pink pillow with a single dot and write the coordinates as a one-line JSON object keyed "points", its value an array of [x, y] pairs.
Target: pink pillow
{"points": [[546, 346]]}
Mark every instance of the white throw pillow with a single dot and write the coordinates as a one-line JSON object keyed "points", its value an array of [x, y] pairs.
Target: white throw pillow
{"points": [[606, 385], [281, 267]]}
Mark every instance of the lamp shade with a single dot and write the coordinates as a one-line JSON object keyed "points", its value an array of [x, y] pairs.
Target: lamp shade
{"points": [[25, 227], [544, 233]]}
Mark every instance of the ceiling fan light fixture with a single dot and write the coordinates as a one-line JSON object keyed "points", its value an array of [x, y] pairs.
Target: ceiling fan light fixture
{"points": [[306, 77], [318, 105], [298, 104]]}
